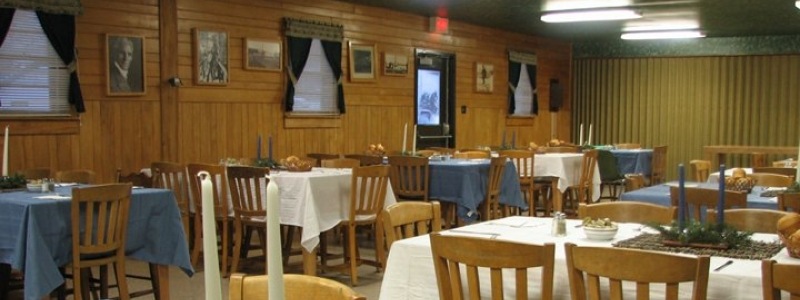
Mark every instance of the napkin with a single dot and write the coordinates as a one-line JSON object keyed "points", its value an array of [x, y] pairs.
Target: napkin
{"points": [[54, 197]]}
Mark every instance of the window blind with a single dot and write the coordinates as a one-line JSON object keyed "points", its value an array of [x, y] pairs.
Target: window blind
{"points": [[315, 91], [523, 94]]}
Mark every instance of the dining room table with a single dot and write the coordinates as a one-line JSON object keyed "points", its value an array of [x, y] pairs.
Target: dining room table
{"points": [[759, 197], [36, 237], [563, 170], [410, 272], [633, 161]]}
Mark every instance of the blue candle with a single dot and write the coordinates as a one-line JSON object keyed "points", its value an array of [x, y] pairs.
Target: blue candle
{"points": [[721, 202], [681, 198], [258, 148], [269, 147]]}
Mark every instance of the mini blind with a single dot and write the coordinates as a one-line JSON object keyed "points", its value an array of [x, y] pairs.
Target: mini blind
{"points": [[34, 81], [315, 92], [523, 94]]}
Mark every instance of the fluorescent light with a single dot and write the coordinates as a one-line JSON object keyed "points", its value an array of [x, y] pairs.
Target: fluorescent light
{"points": [[797, 4], [590, 15], [661, 27], [685, 34]]}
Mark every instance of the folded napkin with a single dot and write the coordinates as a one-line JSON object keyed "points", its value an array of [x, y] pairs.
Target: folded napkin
{"points": [[54, 197]]}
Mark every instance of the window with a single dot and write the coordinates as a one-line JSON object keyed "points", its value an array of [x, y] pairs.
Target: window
{"points": [[34, 80], [315, 91], [523, 95]]}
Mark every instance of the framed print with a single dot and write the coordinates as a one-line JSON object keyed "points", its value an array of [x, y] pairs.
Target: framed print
{"points": [[395, 64], [125, 65], [210, 57], [484, 78], [362, 62], [262, 55]]}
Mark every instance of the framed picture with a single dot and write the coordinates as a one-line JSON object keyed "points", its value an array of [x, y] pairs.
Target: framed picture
{"points": [[484, 78], [362, 62], [210, 57], [395, 64], [262, 55], [125, 65]]}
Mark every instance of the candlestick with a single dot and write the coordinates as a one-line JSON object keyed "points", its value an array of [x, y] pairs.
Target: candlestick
{"points": [[269, 148], [210, 256], [797, 175], [580, 138], [414, 142], [721, 202], [405, 134], [274, 256], [258, 148], [589, 140], [681, 198], [5, 153]]}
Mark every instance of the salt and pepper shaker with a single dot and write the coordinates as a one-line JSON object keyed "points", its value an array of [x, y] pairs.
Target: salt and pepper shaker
{"points": [[559, 224]]}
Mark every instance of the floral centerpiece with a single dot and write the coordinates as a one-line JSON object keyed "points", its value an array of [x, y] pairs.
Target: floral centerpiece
{"points": [[703, 235], [15, 181]]}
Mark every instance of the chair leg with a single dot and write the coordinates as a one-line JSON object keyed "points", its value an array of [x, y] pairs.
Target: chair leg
{"points": [[351, 241], [122, 281], [238, 239], [225, 245], [198, 239], [154, 280]]}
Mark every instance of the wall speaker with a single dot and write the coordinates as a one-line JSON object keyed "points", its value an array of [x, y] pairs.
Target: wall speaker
{"points": [[556, 95]]}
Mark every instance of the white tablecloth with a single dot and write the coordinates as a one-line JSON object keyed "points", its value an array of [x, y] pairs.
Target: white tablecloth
{"points": [[567, 167], [410, 273]]}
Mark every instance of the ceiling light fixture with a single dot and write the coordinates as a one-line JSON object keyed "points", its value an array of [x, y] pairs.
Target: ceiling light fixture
{"points": [[797, 4], [680, 34], [590, 15]]}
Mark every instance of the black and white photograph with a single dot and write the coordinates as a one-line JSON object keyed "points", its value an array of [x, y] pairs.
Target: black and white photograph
{"points": [[211, 57], [362, 62], [395, 64], [125, 65], [262, 55], [484, 78]]}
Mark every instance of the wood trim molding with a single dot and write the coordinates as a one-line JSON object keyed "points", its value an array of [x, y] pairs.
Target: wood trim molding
{"points": [[306, 121], [42, 126]]}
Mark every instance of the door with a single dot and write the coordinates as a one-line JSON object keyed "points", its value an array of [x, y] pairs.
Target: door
{"points": [[434, 93]]}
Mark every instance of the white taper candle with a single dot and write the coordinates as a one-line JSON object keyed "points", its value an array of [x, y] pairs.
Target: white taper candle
{"points": [[405, 136], [5, 153], [210, 256], [274, 256], [589, 139], [414, 142], [580, 135]]}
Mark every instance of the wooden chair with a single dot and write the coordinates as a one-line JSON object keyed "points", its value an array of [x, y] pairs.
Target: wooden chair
{"points": [[532, 190], [491, 208], [221, 210], [341, 163], [610, 177], [408, 219], [582, 192], [75, 176], [633, 182], [700, 199], [451, 253], [628, 146], [296, 286], [35, 173], [172, 176], [750, 219], [367, 196], [777, 170], [472, 154], [789, 202], [366, 160], [409, 177], [321, 156], [700, 169], [772, 180], [589, 264], [629, 211], [100, 219], [758, 160], [658, 166], [246, 186], [136, 179], [777, 277]]}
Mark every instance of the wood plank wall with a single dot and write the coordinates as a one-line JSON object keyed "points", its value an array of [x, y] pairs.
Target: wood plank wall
{"points": [[196, 123]]}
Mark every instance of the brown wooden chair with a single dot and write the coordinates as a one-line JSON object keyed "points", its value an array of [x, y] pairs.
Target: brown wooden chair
{"points": [[100, 220], [139, 179], [777, 277], [628, 146], [750, 219], [409, 177], [408, 219], [452, 252], [491, 208], [321, 156], [772, 180], [658, 166], [629, 211], [582, 192], [789, 202], [633, 182], [172, 176], [75, 176], [532, 190], [35, 173], [341, 163], [589, 264], [246, 185], [296, 286], [366, 160], [700, 199], [221, 210], [700, 169], [472, 154], [758, 160]]}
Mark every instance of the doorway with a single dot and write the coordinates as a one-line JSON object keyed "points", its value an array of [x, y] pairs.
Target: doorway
{"points": [[434, 94]]}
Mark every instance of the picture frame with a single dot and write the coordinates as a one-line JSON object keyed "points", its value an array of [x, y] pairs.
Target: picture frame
{"points": [[484, 77], [125, 65], [362, 62], [262, 54], [395, 64], [211, 49]]}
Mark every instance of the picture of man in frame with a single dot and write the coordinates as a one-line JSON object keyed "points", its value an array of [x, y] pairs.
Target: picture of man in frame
{"points": [[125, 66]]}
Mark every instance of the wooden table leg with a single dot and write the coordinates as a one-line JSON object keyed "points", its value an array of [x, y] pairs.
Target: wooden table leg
{"points": [[558, 204], [163, 282], [310, 262]]}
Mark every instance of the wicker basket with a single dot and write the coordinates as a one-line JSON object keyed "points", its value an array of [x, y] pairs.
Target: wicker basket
{"points": [[792, 248], [740, 184]]}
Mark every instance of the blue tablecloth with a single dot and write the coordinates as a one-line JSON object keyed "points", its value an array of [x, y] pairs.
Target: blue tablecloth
{"points": [[464, 182], [659, 194], [633, 161], [35, 235]]}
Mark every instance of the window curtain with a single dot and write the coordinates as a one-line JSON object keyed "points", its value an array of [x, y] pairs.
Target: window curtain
{"points": [[6, 15], [515, 62], [514, 69], [60, 30], [299, 34], [534, 90]]}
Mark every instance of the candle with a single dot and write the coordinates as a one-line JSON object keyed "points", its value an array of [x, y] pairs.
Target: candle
{"points": [[269, 147], [414, 142], [5, 153], [721, 202], [681, 198], [589, 139], [797, 175], [210, 259], [405, 135], [274, 256], [258, 148], [580, 136]]}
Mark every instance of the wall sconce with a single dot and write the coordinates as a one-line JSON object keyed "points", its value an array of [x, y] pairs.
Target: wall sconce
{"points": [[175, 81]]}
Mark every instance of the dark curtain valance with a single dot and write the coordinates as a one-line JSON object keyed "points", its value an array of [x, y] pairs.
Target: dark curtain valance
{"points": [[313, 30], [522, 57], [59, 7]]}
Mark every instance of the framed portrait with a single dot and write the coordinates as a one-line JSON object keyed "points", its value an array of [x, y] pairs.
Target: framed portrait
{"points": [[262, 55], [484, 78], [210, 57], [125, 65], [362, 62], [395, 64]]}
